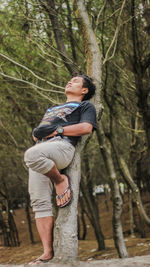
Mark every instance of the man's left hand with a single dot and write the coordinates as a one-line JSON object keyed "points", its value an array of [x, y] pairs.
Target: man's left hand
{"points": [[51, 135]]}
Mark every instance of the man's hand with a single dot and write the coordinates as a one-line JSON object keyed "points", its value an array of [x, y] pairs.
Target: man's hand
{"points": [[35, 139], [51, 135]]}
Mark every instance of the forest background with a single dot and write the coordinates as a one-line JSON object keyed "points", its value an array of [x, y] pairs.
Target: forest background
{"points": [[41, 47]]}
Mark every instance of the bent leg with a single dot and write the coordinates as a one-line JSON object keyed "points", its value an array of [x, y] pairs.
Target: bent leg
{"points": [[49, 157], [42, 157], [42, 160]]}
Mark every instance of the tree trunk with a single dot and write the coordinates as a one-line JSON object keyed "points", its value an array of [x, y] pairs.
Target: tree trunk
{"points": [[50, 8], [135, 190], [93, 54], [11, 237], [84, 232], [93, 216], [131, 217], [142, 227], [27, 209], [117, 200], [14, 237], [65, 233], [117, 224], [92, 207], [4, 232], [124, 170]]}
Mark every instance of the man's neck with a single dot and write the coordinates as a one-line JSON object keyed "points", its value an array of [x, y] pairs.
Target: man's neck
{"points": [[73, 99]]}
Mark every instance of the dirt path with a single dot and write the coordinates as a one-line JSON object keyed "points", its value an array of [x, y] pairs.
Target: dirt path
{"points": [[138, 248], [142, 261]]}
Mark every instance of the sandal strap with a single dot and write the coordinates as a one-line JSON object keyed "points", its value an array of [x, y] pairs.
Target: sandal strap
{"points": [[62, 195]]}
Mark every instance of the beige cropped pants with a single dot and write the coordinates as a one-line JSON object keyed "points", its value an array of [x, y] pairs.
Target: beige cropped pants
{"points": [[40, 159]]}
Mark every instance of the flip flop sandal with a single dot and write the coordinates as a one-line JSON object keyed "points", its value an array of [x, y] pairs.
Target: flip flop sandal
{"points": [[62, 195], [40, 261]]}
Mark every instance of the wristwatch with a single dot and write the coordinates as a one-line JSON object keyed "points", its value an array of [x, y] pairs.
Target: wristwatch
{"points": [[60, 130]]}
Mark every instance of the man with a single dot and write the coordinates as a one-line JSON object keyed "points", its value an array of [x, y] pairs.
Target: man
{"points": [[56, 138]]}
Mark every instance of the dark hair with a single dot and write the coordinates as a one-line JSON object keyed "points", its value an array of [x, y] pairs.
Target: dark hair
{"points": [[87, 83]]}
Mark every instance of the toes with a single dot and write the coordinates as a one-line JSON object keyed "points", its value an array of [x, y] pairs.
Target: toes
{"points": [[58, 201], [64, 199], [60, 189]]}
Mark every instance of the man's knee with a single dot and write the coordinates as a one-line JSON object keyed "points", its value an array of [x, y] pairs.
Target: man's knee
{"points": [[31, 155]]}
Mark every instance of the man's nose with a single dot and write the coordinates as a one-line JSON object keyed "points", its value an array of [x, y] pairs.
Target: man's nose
{"points": [[69, 83]]}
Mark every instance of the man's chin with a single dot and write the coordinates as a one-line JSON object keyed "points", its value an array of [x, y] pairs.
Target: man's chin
{"points": [[68, 90]]}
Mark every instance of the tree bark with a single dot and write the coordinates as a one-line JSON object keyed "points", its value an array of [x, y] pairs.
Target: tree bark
{"points": [[93, 216], [124, 170], [131, 217], [14, 237], [4, 232], [11, 237], [142, 227], [27, 209], [135, 190], [92, 207], [65, 233], [84, 232], [92, 51], [117, 200], [117, 224]]}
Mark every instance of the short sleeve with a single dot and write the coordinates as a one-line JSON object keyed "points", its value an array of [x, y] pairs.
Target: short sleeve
{"points": [[88, 113]]}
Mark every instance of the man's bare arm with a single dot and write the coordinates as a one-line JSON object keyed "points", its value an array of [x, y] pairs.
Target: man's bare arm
{"points": [[78, 129], [73, 130]]}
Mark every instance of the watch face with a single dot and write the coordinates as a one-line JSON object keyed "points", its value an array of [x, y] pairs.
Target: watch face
{"points": [[60, 130]]}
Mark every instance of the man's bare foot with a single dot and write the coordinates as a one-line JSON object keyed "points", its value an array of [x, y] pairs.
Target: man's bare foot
{"points": [[42, 259], [63, 191]]}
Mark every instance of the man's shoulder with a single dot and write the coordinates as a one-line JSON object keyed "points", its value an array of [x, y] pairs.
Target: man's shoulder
{"points": [[87, 103]]}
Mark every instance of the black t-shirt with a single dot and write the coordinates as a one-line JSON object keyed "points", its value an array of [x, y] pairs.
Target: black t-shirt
{"points": [[67, 114]]}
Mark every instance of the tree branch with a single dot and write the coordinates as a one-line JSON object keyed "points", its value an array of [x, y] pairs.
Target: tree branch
{"points": [[114, 40], [9, 134], [34, 87], [99, 14], [35, 75], [49, 7]]}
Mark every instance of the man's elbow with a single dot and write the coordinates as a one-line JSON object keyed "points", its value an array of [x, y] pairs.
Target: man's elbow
{"points": [[88, 127]]}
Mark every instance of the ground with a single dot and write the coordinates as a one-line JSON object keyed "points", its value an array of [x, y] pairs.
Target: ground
{"points": [[136, 246]]}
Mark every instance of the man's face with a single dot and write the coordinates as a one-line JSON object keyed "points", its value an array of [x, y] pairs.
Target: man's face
{"points": [[75, 87]]}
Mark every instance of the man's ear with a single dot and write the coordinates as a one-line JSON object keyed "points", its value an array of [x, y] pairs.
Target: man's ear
{"points": [[85, 91]]}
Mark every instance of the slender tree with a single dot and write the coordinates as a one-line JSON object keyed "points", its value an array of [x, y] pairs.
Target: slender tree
{"points": [[117, 199], [66, 233]]}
